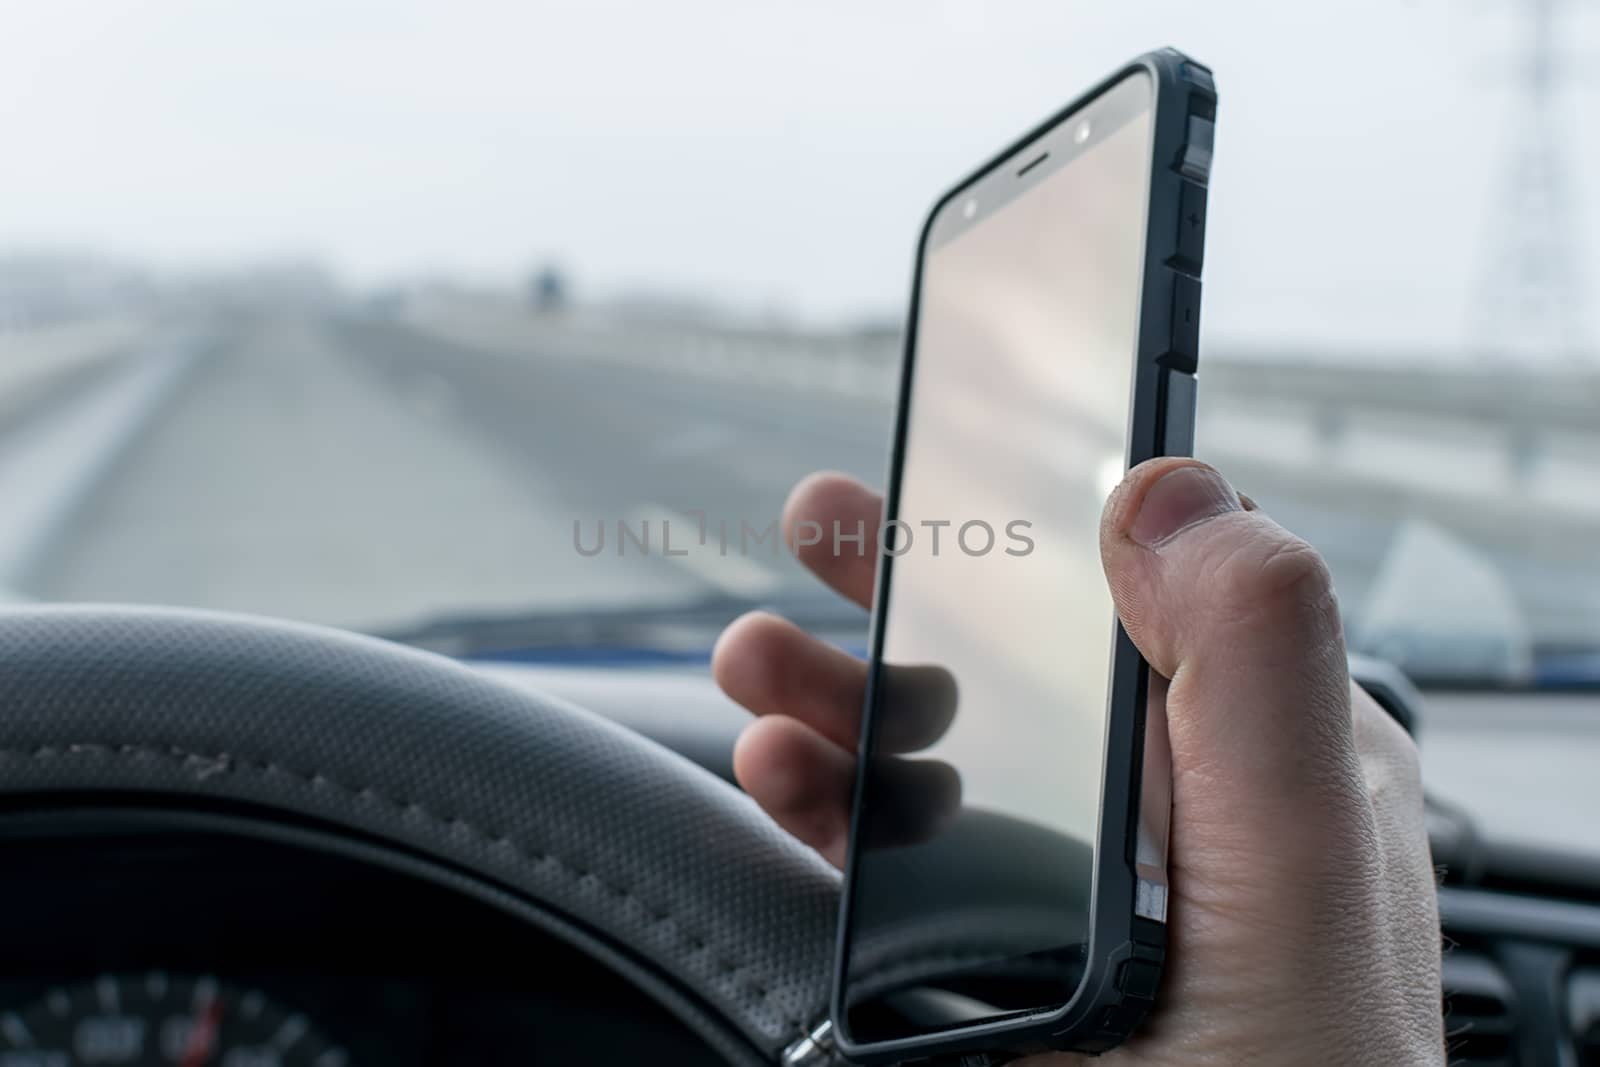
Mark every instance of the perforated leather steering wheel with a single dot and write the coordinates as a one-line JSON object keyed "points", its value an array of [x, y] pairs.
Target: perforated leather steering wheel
{"points": [[670, 875]]}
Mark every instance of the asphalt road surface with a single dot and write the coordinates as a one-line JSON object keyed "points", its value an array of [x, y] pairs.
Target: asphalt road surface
{"points": [[357, 472]]}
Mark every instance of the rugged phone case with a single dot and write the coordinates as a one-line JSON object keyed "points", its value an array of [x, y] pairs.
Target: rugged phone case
{"points": [[1127, 944]]}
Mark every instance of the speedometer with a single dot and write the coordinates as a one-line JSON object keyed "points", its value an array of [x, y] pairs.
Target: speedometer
{"points": [[156, 1020]]}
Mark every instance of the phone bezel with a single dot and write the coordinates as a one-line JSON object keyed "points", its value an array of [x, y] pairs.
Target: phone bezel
{"points": [[1080, 1022]]}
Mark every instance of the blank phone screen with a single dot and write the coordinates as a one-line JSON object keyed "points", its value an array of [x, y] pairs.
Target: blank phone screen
{"points": [[974, 850]]}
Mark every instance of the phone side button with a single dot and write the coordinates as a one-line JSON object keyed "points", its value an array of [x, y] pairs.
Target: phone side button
{"points": [[1198, 75], [1195, 162], [1183, 347], [1191, 228]]}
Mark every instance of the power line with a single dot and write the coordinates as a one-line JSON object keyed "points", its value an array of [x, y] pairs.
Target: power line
{"points": [[1530, 297]]}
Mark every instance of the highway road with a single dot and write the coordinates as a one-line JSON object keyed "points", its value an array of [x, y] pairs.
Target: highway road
{"points": [[356, 472], [373, 471]]}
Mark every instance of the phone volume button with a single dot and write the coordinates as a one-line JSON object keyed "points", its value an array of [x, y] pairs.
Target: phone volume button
{"points": [[1191, 242], [1183, 347]]}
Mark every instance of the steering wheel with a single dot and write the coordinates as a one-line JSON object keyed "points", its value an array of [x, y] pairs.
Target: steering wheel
{"points": [[630, 852]]}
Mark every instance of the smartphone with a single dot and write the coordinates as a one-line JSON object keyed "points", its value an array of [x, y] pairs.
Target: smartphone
{"points": [[1005, 888]]}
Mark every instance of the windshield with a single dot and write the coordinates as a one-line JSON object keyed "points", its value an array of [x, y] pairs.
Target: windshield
{"points": [[385, 314]]}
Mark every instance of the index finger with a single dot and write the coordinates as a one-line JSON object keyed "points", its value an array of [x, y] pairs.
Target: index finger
{"points": [[831, 523]]}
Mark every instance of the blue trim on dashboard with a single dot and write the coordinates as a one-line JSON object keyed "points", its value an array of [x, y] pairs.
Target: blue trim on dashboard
{"points": [[613, 656]]}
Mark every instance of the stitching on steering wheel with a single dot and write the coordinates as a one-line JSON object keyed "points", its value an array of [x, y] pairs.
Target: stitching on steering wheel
{"points": [[205, 766]]}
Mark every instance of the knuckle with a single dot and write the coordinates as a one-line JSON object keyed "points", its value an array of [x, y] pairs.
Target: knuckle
{"points": [[1390, 740], [1286, 577], [1389, 758], [1409, 759], [1376, 728]]}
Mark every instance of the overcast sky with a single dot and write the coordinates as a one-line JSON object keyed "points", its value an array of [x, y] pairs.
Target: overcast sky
{"points": [[767, 154]]}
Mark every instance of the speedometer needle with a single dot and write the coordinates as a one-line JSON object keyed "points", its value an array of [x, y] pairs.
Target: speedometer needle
{"points": [[203, 1038]]}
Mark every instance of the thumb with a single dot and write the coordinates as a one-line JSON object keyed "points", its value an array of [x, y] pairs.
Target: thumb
{"points": [[1240, 615]]}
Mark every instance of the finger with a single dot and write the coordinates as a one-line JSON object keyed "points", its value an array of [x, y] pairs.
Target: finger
{"points": [[831, 523], [806, 784], [801, 779], [1385, 748], [1240, 615], [915, 708], [772, 667], [912, 800], [1393, 774]]}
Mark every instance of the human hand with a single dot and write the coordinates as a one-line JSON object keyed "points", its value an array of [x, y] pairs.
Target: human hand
{"points": [[1303, 920]]}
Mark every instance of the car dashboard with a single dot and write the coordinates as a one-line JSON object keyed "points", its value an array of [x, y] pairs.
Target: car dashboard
{"points": [[144, 935]]}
